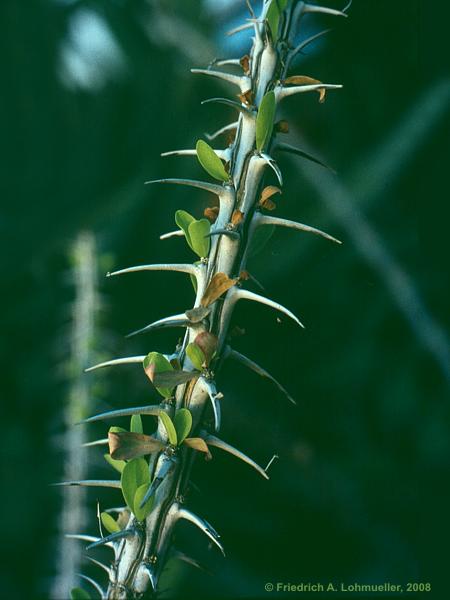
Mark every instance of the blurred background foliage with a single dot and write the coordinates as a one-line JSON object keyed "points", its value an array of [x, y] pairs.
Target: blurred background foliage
{"points": [[93, 91]]}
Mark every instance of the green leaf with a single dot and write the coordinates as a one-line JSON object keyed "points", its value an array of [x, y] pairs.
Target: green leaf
{"points": [[134, 475], [155, 363], [136, 424], [273, 19], [183, 219], [115, 429], [208, 343], [198, 230], [118, 465], [210, 161], [79, 594], [265, 120], [142, 513], [193, 278], [183, 424], [109, 523], [260, 238], [196, 355], [169, 427]]}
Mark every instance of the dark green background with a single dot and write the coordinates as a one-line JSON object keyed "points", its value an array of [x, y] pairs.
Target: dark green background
{"points": [[360, 491]]}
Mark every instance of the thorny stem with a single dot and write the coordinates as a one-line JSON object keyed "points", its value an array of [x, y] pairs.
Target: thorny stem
{"points": [[140, 558]]}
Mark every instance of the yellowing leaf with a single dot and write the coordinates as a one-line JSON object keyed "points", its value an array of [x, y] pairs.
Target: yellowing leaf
{"points": [[198, 444], [264, 121], [109, 523], [218, 285], [305, 80], [208, 343], [127, 445], [195, 355], [174, 378], [169, 427], [210, 161], [154, 364]]}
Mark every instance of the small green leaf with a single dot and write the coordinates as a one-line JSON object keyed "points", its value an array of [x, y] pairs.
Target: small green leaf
{"points": [[136, 424], [79, 594], [196, 355], [183, 424], [169, 427], [115, 429], [155, 363], [273, 19], [118, 465], [260, 238], [198, 230], [134, 475], [109, 523], [193, 277], [265, 120], [142, 513], [210, 161], [183, 219]]}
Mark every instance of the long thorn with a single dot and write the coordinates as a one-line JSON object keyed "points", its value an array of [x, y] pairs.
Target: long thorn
{"points": [[173, 321], [289, 90], [99, 564], [282, 147], [313, 8], [125, 412], [241, 81], [260, 219], [108, 483], [212, 440], [228, 102], [94, 584], [224, 129], [177, 267], [202, 185], [250, 364], [240, 294], [184, 513], [129, 360], [112, 537], [306, 42]]}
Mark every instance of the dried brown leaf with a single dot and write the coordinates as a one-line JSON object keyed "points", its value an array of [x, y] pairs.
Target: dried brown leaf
{"points": [[305, 80], [244, 275], [170, 379], [266, 194], [282, 126], [207, 342], [246, 97], [218, 285], [245, 63], [211, 213], [195, 315], [125, 445], [237, 217], [200, 445]]}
